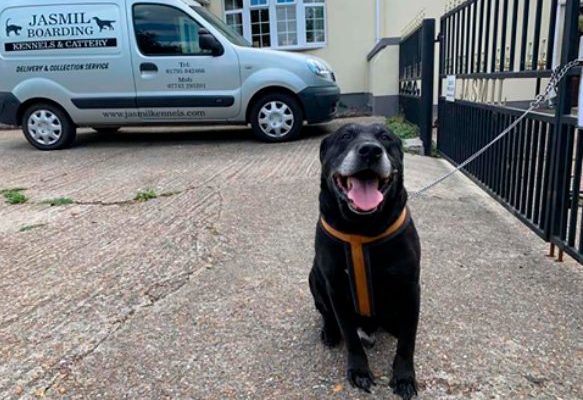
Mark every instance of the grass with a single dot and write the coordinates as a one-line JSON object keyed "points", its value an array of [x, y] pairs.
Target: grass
{"points": [[28, 228], [59, 201], [145, 195], [402, 128], [14, 196]]}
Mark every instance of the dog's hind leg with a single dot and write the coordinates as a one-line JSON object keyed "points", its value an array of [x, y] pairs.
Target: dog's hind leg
{"points": [[330, 333]]}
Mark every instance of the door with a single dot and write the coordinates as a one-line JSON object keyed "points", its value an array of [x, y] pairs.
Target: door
{"points": [[175, 79]]}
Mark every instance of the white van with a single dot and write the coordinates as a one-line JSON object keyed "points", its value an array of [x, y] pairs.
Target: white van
{"points": [[111, 63]]}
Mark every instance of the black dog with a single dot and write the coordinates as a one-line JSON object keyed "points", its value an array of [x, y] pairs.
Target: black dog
{"points": [[102, 24], [10, 28], [366, 269]]}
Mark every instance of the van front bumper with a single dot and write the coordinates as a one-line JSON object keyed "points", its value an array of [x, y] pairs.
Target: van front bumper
{"points": [[9, 105], [320, 102]]}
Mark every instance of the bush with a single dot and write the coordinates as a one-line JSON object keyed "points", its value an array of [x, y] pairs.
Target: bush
{"points": [[402, 128], [14, 196]]}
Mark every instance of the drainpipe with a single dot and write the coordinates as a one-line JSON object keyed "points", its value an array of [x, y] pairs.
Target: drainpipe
{"points": [[558, 33], [378, 21], [561, 5]]}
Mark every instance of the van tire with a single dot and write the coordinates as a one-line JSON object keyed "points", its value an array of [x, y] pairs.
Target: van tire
{"points": [[282, 109], [56, 130]]}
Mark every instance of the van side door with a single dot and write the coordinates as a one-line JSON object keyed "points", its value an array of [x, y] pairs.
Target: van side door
{"points": [[175, 79]]}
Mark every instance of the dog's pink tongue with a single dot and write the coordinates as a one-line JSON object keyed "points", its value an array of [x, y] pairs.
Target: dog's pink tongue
{"points": [[365, 194]]}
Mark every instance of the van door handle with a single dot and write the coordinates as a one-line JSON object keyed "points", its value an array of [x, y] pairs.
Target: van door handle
{"points": [[148, 67]]}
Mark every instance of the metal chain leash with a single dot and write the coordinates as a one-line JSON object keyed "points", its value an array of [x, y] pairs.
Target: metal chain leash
{"points": [[556, 76]]}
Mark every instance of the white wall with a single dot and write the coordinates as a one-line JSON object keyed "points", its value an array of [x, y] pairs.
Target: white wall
{"points": [[351, 34]]}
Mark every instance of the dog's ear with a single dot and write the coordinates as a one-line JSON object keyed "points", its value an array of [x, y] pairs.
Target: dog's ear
{"points": [[324, 148]]}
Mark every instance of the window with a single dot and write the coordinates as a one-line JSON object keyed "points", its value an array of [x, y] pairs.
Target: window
{"points": [[235, 21], [166, 31], [284, 24], [287, 34], [221, 26], [315, 31], [260, 36], [234, 15]]}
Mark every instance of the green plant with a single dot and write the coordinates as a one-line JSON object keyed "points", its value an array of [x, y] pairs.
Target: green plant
{"points": [[145, 195], [14, 196], [59, 201], [402, 128], [16, 189], [27, 228]]}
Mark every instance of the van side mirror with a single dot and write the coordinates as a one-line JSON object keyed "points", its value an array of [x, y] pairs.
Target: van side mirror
{"points": [[206, 41]]}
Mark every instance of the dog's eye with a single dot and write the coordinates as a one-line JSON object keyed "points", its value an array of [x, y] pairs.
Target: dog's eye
{"points": [[385, 137], [347, 136]]}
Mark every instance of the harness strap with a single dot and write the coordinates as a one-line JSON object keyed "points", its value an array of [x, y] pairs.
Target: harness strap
{"points": [[361, 278]]}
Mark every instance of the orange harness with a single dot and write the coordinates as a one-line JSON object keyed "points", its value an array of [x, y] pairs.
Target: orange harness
{"points": [[360, 272]]}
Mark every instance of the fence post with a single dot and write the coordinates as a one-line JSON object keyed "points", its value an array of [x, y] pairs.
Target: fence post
{"points": [[558, 190], [427, 74]]}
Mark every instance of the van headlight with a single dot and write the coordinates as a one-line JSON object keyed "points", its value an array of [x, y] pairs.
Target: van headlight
{"points": [[321, 69]]}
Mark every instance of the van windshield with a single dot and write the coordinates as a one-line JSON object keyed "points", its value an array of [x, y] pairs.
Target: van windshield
{"points": [[219, 25]]}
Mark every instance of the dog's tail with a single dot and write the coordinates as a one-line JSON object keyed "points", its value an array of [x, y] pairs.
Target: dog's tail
{"points": [[8, 22]]}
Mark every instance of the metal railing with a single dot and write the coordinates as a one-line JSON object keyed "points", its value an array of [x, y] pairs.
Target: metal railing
{"points": [[536, 170], [416, 69]]}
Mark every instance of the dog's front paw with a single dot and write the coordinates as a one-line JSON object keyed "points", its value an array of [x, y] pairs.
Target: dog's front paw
{"points": [[406, 388], [330, 338], [361, 378]]}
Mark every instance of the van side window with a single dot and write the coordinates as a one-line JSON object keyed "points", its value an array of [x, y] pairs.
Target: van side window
{"points": [[166, 31]]}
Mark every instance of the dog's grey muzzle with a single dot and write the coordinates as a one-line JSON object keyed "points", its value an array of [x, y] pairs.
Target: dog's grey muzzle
{"points": [[366, 156]]}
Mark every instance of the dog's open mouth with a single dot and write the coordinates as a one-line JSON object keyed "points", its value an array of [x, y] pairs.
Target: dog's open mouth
{"points": [[364, 191]]}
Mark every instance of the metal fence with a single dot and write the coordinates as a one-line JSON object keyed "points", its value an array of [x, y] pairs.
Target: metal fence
{"points": [[536, 170], [416, 69]]}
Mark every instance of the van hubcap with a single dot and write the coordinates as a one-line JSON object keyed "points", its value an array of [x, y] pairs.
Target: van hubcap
{"points": [[45, 127], [276, 119]]}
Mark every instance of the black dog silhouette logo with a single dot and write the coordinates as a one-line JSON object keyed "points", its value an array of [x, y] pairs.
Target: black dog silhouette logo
{"points": [[104, 24], [12, 28]]}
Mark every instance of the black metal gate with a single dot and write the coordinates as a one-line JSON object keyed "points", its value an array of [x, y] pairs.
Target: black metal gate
{"points": [[536, 170], [416, 69]]}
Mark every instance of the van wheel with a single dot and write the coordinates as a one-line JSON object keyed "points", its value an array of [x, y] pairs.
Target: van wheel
{"points": [[47, 127], [106, 131], [277, 118]]}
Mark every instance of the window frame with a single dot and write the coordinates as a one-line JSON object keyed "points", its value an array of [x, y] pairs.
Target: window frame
{"points": [[135, 31], [325, 16], [269, 14], [272, 5], [293, 4]]}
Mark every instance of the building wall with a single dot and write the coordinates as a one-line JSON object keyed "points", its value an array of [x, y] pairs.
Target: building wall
{"points": [[216, 6], [351, 35], [349, 40]]}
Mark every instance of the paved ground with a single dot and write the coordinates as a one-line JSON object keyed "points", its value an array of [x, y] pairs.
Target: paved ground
{"points": [[203, 293]]}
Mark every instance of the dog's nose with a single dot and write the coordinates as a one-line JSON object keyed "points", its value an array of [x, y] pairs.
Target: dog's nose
{"points": [[370, 151]]}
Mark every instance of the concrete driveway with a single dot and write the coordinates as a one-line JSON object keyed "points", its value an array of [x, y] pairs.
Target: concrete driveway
{"points": [[202, 292]]}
